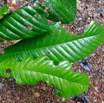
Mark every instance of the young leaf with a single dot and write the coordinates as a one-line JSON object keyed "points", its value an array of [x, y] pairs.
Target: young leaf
{"points": [[30, 71], [24, 23], [61, 10], [59, 45]]}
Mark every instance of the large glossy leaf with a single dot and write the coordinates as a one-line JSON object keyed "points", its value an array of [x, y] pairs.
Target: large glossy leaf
{"points": [[30, 71], [24, 23], [59, 45], [31, 20], [61, 10]]}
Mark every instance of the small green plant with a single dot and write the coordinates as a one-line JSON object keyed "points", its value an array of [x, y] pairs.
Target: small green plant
{"points": [[46, 50]]}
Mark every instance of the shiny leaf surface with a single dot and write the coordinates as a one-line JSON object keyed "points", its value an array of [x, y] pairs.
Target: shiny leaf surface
{"points": [[30, 71], [32, 20], [59, 45], [24, 23], [61, 10]]}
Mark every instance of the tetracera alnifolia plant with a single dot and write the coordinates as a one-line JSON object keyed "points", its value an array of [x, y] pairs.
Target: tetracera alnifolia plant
{"points": [[47, 50]]}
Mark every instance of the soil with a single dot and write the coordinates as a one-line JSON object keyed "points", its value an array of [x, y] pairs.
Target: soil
{"points": [[87, 10]]}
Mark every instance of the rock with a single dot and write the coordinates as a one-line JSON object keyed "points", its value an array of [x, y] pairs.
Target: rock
{"points": [[98, 10], [1, 3], [37, 94], [85, 65], [1, 85]]}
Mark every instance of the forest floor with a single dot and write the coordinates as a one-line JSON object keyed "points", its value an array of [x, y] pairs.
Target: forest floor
{"points": [[87, 11]]}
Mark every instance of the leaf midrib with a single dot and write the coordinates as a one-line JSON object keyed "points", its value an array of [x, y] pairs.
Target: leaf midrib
{"points": [[31, 50], [43, 73]]}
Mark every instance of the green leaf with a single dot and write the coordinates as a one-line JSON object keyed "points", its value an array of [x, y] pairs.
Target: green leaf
{"points": [[31, 20], [4, 11], [61, 10], [30, 71], [59, 45], [24, 23]]}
